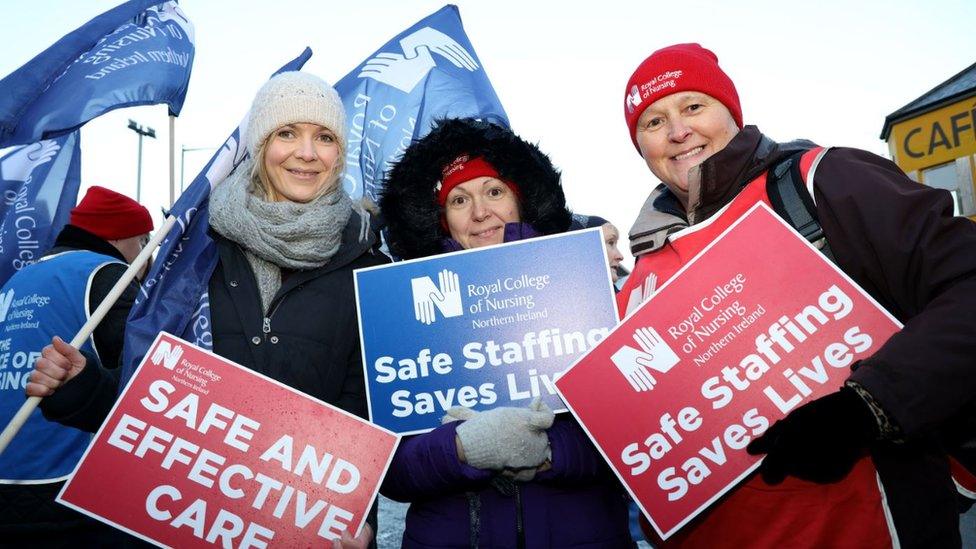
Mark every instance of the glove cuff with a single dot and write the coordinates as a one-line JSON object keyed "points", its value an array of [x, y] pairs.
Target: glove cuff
{"points": [[885, 427], [859, 413]]}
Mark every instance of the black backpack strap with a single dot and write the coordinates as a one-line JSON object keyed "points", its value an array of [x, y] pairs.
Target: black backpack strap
{"points": [[790, 199]]}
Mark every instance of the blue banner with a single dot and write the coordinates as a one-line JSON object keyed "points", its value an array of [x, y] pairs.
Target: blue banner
{"points": [[38, 187], [174, 296], [480, 328], [136, 54], [428, 71]]}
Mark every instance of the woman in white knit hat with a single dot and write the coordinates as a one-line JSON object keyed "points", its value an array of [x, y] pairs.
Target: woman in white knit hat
{"points": [[288, 236]]}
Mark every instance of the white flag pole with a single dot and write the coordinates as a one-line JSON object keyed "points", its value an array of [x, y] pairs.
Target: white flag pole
{"points": [[113, 295], [172, 160]]}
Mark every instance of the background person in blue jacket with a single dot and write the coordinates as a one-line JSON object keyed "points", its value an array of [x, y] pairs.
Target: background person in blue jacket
{"points": [[55, 297]]}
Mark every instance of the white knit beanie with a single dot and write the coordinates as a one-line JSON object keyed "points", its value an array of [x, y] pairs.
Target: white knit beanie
{"points": [[290, 98]]}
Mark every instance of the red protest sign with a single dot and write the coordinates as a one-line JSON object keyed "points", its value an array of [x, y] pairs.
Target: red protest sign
{"points": [[201, 451], [754, 326]]}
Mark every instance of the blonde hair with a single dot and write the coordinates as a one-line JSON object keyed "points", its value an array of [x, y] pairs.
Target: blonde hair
{"points": [[260, 179]]}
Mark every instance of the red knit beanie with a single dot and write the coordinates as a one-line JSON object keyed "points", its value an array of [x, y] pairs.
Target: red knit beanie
{"points": [[110, 215], [677, 68], [464, 168]]}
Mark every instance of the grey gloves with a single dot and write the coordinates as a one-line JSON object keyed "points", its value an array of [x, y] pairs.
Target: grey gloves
{"points": [[504, 438]]}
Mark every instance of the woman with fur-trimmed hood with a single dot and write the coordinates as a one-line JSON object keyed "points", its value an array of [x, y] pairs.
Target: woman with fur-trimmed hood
{"points": [[506, 477]]}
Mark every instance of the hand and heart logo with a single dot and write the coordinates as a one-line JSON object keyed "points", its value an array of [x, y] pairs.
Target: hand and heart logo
{"points": [[444, 297], [404, 71]]}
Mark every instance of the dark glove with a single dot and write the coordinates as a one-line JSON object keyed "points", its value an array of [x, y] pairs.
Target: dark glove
{"points": [[819, 441]]}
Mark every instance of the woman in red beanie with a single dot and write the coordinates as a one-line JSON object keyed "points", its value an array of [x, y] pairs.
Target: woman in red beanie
{"points": [[860, 467], [288, 238], [507, 477]]}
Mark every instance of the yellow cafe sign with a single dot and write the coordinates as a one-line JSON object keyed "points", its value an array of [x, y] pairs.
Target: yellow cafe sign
{"points": [[936, 137], [933, 139]]}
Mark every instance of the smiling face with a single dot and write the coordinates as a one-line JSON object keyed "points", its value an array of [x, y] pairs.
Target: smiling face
{"points": [[300, 162], [678, 132], [477, 210]]}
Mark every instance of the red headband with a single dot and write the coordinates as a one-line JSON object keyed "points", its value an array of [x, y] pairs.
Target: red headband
{"points": [[464, 168]]}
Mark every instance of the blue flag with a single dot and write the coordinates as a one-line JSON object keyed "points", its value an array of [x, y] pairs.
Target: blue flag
{"points": [[428, 71], [139, 53], [38, 187], [174, 296]]}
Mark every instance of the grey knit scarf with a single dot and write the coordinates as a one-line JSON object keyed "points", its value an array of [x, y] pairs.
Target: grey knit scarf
{"points": [[277, 235]]}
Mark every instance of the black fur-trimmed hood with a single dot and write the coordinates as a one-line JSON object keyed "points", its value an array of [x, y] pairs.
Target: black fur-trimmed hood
{"points": [[408, 202]]}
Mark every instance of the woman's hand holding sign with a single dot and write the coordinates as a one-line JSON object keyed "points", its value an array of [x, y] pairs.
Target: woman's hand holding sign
{"points": [[819, 441], [506, 438]]}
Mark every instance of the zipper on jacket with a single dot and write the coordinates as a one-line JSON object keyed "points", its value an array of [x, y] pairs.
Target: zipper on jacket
{"points": [[519, 526], [266, 321]]}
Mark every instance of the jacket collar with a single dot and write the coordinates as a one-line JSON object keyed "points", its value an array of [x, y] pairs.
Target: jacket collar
{"points": [[720, 178], [76, 238]]}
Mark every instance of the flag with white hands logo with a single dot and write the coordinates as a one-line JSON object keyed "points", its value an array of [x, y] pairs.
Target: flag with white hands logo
{"points": [[139, 53], [428, 71], [38, 187]]}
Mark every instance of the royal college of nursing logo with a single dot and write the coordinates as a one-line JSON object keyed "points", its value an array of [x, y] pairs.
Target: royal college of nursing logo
{"points": [[5, 299], [445, 297], [167, 354], [633, 99], [405, 70], [20, 164], [635, 364]]}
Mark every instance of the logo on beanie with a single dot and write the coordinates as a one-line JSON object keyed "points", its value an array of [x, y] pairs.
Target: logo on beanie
{"points": [[633, 99], [663, 81], [167, 354], [455, 165], [445, 297], [636, 364], [405, 70]]}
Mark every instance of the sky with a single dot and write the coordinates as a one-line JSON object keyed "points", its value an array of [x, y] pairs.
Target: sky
{"points": [[828, 71]]}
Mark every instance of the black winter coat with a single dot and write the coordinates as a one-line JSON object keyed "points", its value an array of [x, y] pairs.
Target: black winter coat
{"points": [[309, 340]]}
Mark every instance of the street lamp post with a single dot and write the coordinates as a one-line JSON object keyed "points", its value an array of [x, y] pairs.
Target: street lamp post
{"points": [[183, 150], [143, 132]]}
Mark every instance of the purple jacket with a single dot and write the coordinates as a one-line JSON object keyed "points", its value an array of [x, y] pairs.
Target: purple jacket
{"points": [[577, 503]]}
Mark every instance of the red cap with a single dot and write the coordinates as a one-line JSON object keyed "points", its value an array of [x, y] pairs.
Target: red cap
{"points": [[464, 168], [677, 68], [110, 215]]}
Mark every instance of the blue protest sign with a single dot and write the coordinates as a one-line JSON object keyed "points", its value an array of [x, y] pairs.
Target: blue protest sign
{"points": [[428, 71], [135, 54], [38, 187], [480, 328]]}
